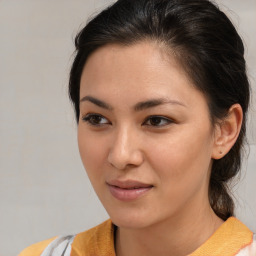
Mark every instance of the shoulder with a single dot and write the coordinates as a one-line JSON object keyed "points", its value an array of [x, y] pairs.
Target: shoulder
{"points": [[36, 249], [56, 246], [231, 238], [95, 241], [249, 250]]}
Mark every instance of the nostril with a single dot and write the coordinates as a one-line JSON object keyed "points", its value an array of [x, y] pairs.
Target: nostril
{"points": [[125, 161]]}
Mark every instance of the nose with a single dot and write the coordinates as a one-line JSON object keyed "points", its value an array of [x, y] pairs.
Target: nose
{"points": [[125, 151]]}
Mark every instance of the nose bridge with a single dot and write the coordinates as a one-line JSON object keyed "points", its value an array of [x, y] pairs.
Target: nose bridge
{"points": [[125, 148], [121, 139]]}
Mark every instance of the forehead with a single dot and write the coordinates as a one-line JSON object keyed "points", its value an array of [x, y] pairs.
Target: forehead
{"points": [[141, 56], [134, 72]]}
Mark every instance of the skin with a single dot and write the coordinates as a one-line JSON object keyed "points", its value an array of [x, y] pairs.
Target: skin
{"points": [[173, 153]]}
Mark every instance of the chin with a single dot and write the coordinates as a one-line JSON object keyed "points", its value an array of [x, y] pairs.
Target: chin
{"points": [[129, 223], [131, 219]]}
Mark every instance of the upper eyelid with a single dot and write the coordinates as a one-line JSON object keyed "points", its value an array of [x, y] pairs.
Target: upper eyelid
{"points": [[145, 120], [92, 114], [159, 116], [87, 116], [148, 117]]}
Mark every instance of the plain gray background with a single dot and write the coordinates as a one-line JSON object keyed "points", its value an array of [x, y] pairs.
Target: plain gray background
{"points": [[44, 190]]}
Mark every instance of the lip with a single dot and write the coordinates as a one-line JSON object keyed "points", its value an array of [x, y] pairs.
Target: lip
{"points": [[128, 190]]}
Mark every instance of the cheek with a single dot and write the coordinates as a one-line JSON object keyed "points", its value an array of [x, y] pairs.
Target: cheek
{"points": [[182, 167], [92, 153], [182, 157]]}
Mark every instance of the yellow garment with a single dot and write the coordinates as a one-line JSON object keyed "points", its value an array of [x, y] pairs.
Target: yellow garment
{"points": [[95, 241], [36, 249], [228, 240]]}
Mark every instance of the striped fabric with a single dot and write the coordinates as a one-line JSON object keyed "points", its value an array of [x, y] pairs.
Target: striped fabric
{"points": [[61, 246]]}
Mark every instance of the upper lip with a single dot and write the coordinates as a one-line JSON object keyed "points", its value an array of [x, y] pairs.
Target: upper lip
{"points": [[128, 184]]}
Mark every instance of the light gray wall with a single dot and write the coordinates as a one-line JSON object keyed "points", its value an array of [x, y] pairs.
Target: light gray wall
{"points": [[43, 187]]}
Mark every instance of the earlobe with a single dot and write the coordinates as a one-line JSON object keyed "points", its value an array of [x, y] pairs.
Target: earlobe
{"points": [[227, 131]]}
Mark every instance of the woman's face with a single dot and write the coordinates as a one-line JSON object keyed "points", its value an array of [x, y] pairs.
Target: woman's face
{"points": [[144, 134]]}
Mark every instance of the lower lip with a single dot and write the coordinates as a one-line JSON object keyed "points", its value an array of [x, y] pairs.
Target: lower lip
{"points": [[128, 194]]}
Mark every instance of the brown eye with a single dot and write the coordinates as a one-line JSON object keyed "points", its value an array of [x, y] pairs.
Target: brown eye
{"points": [[157, 121], [95, 119]]}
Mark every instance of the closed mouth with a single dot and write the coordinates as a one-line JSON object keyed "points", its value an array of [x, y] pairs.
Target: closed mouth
{"points": [[128, 190], [128, 184]]}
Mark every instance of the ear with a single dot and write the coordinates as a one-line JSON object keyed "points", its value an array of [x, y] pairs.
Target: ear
{"points": [[227, 131]]}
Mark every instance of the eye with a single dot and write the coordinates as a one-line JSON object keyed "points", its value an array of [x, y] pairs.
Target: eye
{"points": [[95, 119], [157, 121]]}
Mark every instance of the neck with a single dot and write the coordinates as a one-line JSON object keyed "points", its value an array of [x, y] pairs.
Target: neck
{"points": [[177, 236]]}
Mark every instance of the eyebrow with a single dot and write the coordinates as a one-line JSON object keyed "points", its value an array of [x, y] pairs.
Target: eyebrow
{"points": [[138, 106]]}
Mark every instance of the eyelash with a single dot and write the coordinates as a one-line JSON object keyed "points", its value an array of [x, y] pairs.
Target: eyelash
{"points": [[89, 119]]}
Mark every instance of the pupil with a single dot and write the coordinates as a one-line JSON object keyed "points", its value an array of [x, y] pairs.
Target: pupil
{"points": [[96, 119], [155, 120]]}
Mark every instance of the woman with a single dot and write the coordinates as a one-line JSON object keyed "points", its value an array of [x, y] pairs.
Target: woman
{"points": [[161, 95]]}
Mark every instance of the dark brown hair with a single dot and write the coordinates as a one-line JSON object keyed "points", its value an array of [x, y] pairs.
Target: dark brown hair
{"points": [[208, 47]]}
